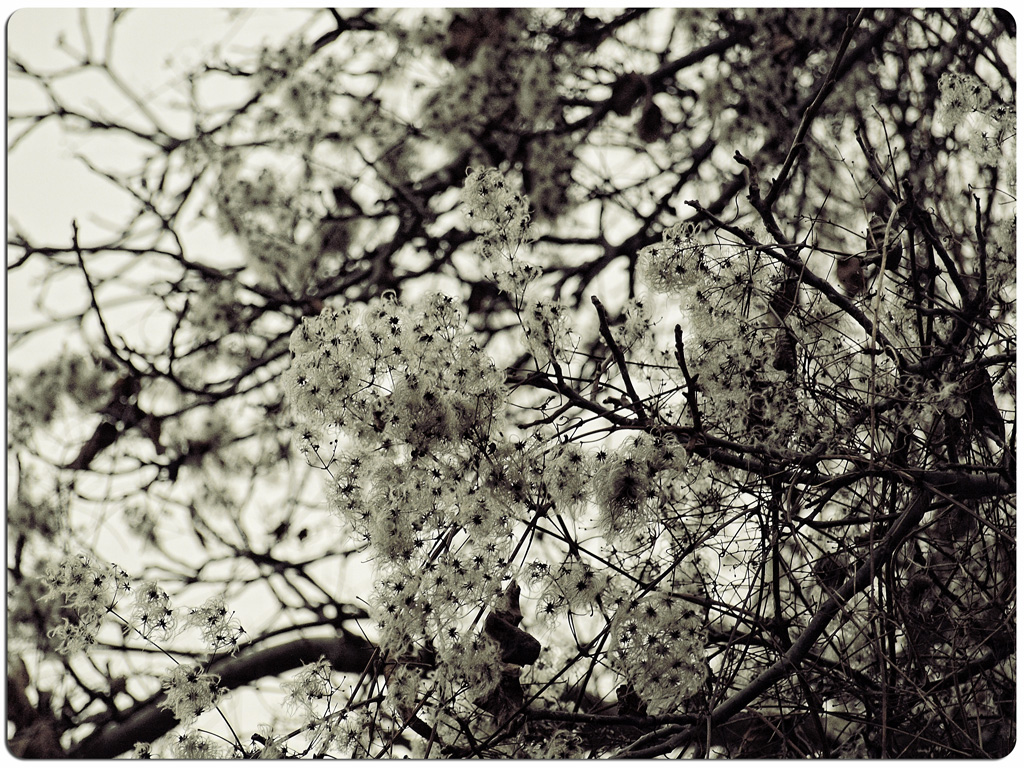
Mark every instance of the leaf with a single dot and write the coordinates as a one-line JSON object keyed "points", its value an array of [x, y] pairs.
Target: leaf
{"points": [[650, 124], [513, 613], [875, 236], [984, 413], [507, 697], [630, 702], [517, 647], [626, 92], [785, 351], [850, 274]]}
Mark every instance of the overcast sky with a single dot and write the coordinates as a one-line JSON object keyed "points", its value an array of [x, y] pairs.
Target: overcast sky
{"points": [[47, 187]]}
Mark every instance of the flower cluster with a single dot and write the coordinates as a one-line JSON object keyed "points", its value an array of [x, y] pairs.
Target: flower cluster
{"points": [[659, 649], [992, 134], [190, 692], [673, 264], [741, 357], [90, 591], [403, 687], [152, 614], [275, 64], [501, 217], [219, 628], [534, 100], [405, 375], [493, 206], [506, 87], [628, 487], [927, 398], [310, 694], [310, 688]]}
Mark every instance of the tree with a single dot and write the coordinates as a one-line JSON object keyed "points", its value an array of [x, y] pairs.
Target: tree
{"points": [[658, 363]]}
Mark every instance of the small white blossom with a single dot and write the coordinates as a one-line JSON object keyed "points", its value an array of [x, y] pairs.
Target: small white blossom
{"points": [[219, 628], [190, 692], [310, 687]]}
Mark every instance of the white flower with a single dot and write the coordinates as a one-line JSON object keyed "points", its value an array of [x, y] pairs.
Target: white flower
{"points": [[190, 692], [219, 628]]}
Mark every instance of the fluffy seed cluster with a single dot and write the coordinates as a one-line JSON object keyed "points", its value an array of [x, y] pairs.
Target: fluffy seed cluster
{"points": [[407, 422], [190, 692], [502, 83], [266, 745], [567, 474], [636, 325], [397, 375], [659, 650], [152, 614], [142, 751], [673, 264], [546, 328], [89, 590], [193, 745], [743, 360], [551, 160], [573, 586], [219, 628], [500, 216], [493, 206], [310, 689], [961, 95], [473, 669], [628, 486]]}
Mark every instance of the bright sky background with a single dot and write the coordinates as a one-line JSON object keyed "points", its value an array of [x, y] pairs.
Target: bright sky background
{"points": [[46, 186]]}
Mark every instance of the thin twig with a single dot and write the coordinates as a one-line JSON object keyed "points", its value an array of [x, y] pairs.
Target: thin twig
{"points": [[812, 111], [790, 661], [92, 299], [620, 360], [691, 381]]}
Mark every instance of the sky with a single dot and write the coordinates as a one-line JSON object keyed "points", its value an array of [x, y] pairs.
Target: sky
{"points": [[47, 187]]}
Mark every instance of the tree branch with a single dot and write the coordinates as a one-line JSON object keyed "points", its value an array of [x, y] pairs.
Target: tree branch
{"points": [[148, 721], [812, 110], [620, 360], [791, 660]]}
